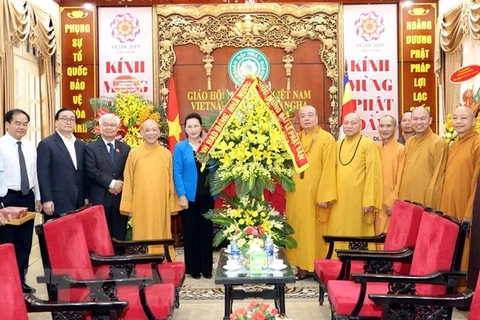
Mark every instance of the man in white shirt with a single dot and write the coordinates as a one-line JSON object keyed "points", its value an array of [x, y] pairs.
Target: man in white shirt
{"points": [[3, 192], [20, 158], [61, 168]]}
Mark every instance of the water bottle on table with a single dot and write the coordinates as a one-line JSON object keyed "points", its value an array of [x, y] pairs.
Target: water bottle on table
{"points": [[269, 250], [234, 250]]}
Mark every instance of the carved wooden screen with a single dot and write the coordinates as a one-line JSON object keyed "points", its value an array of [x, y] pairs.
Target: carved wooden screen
{"points": [[300, 41]]}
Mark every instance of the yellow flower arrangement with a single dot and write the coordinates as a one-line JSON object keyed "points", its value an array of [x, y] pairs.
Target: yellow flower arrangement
{"points": [[251, 221], [251, 153], [449, 134], [133, 110]]}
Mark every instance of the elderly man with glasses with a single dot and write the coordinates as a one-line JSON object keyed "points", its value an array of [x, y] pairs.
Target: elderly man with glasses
{"points": [[105, 161], [60, 166]]}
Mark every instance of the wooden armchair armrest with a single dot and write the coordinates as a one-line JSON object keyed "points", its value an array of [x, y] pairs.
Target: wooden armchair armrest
{"points": [[405, 256], [98, 260], [462, 300], [145, 243], [36, 305], [65, 281], [330, 239], [368, 252]]}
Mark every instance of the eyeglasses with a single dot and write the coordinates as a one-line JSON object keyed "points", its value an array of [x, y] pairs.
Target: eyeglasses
{"points": [[64, 119], [109, 125]]}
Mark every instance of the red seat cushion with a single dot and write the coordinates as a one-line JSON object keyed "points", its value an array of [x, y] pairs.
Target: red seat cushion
{"points": [[170, 272], [328, 270], [344, 295], [475, 306], [12, 303], [160, 299], [98, 241], [402, 232]]}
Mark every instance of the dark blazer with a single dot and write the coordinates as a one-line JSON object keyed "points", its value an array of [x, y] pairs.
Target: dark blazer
{"points": [[59, 181], [102, 171]]}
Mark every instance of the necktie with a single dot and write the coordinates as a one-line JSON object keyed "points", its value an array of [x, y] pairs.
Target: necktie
{"points": [[24, 184], [111, 151]]}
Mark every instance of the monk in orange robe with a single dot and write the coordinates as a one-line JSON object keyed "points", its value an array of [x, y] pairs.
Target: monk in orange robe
{"points": [[461, 174], [393, 159], [425, 159]]}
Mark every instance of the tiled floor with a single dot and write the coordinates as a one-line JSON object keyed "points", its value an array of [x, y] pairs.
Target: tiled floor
{"points": [[297, 309]]}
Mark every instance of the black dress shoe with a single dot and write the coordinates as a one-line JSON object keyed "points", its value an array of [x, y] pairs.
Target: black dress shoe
{"points": [[207, 275], [196, 275], [27, 289]]}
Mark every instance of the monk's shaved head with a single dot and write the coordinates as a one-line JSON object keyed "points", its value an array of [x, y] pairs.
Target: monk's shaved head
{"points": [[307, 108], [389, 118], [463, 120], [387, 126], [308, 118], [464, 110], [421, 120], [421, 110], [150, 132], [406, 123], [352, 125], [149, 122]]}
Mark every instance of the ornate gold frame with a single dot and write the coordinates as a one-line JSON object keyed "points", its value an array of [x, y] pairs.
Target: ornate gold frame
{"points": [[249, 25]]}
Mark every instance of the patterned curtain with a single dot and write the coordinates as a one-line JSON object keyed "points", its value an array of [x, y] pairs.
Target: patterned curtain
{"points": [[456, 25], [21, 21]]}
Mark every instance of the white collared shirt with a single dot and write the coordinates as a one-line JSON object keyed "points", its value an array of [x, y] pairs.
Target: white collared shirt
{"points": [[107, 146], [3, 185], [70, 144], [9, 148]]}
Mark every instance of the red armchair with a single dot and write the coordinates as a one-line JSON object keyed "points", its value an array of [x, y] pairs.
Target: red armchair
{"points": [[438, 250], [100, 246], [439, 307], [401, 235], [70, 276], [14, 304]]}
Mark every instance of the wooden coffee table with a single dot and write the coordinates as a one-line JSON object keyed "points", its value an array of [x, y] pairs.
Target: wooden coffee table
{"points": [[275, 278]]}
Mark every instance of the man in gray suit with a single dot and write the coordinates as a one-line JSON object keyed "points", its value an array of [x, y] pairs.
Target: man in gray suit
{"points": [[60, 168], [105, 161]]}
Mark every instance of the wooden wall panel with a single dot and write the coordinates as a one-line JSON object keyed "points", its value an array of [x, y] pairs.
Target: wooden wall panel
{"points": [[309, 84]]}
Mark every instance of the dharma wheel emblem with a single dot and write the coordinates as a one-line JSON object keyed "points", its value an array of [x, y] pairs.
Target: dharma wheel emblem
{"points": [[248, 61], [369, 26]]}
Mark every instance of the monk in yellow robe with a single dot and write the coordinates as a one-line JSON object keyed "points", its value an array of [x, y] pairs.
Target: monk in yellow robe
{"points": [[148, 191], [461, 173], [315, 190], [359, 183], [393, 158], [425, 160]]}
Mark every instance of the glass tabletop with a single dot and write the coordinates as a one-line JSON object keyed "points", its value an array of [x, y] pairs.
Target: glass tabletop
{"points": [[243, 275]]}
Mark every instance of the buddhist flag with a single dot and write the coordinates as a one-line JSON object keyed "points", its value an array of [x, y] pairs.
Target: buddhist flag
{"points": [[173, 116], [348, 105]]}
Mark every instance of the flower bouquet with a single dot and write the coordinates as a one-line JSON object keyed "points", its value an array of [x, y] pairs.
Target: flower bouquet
{"points": [[251, 220], [251, 154], [256, 311], [133, 110]]}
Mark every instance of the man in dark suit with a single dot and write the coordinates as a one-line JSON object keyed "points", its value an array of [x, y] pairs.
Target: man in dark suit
{"points": [[60, 168], [104, 161]]}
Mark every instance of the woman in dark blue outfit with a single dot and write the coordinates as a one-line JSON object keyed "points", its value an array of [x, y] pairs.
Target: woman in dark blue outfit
{"points": [[195, 200]]}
